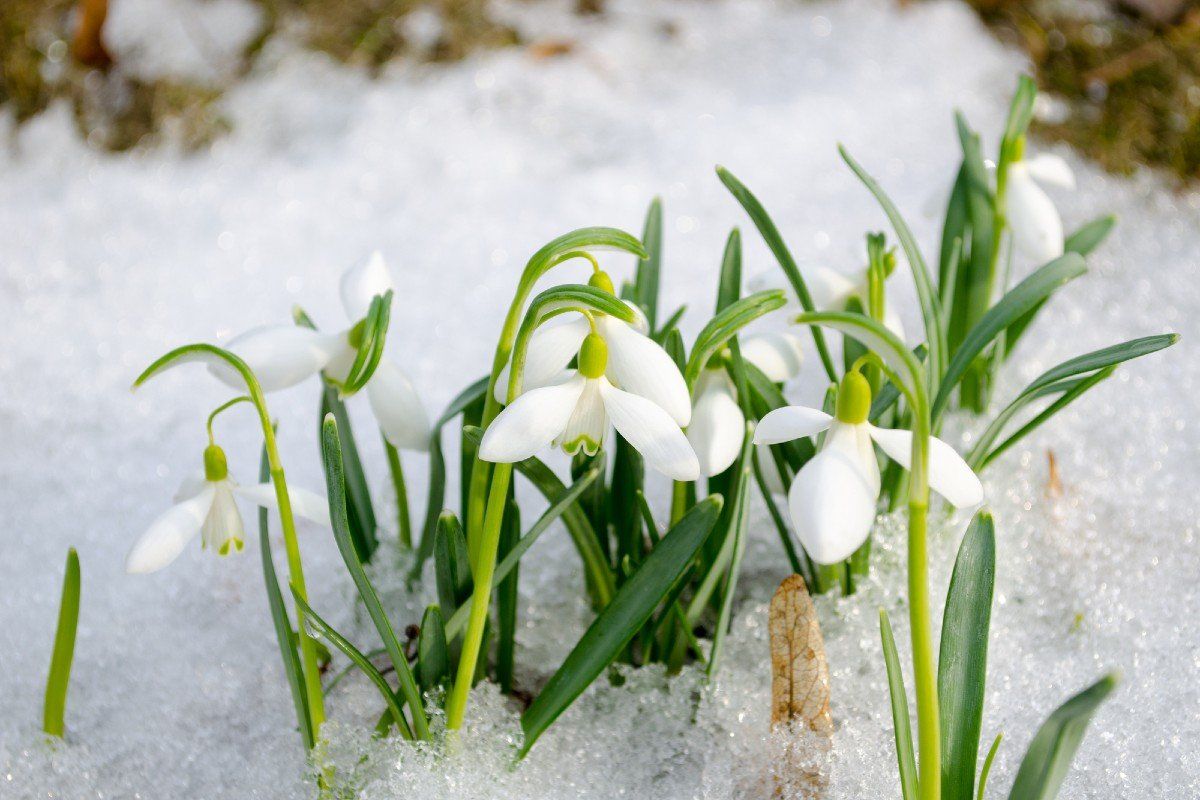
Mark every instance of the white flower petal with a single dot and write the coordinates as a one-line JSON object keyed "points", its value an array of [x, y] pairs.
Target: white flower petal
{"points": [[588, 422], [398, 408], [1036, 226], [830, 289], [361, 282], [891, 321], [280, 355], [651, 431], [779, 355], [638, 365], [790, 422], [305, 504], [1051, 169], [949, 474], [551, 348], [166, 537], [531, 422], [833, 498], [718, 425], [223, 530]]}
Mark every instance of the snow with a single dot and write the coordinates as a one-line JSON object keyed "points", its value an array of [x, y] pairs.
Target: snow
{"points": [[457, 173]]}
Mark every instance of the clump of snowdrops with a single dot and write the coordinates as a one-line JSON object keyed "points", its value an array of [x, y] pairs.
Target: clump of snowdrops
{"points": [[602, 371]]}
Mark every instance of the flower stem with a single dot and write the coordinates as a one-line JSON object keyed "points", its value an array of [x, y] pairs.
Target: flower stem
{"points": [[404, 520], [924, 664]]}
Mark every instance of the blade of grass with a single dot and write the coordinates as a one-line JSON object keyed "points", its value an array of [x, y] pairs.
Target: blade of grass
{"points": [[59, 677], [905, 758]]}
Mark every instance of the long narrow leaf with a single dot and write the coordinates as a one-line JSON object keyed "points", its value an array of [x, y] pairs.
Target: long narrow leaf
{"points": [[905, 758], [962, 657], [1048, 758], [621, 619], [336, 486], [433, 654], [1090, 236], [1024, 296], [59, 677], [648, 268]]}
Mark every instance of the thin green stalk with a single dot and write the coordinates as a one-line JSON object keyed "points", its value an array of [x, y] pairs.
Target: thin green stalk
{"points": [[924, 663], [679, 493], [308, 647], [59, 676], [403, 517]]}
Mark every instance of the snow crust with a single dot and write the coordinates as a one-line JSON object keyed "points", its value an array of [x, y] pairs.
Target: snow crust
{"points": [[458, 173]]}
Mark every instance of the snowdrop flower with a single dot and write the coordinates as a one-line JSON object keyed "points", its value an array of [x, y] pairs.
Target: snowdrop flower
{"points": [[830, 290], [574, 415], [833, 497], [205, 505], [635, 362], [718, 425], [1036, 226], [284, 355]]}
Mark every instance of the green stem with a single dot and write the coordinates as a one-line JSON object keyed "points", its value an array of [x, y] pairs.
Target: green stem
{"points": [[924, 662], [484, 568], [402, 513], [679, 493]]}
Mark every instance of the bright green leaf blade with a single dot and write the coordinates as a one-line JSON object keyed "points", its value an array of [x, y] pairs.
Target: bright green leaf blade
{"points": [[906, 760], [355, 655], [571, 244], [987, 766], [360, 509], [621, 619], [770, 234], [59, 677], [1090, 236], [962, 657], [1104, 357], [433, 653], [879, 340], [1048, 758], [336, 486], [452, 569], [726, 324], [648, 269], [1024, 296], [729, 282]]}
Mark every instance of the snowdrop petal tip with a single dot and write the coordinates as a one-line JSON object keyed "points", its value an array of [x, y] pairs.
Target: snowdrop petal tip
{"points": [[790, 422], [531, 422], [167, 535]]}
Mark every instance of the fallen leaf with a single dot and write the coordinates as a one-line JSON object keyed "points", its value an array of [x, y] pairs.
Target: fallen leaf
{"points": [[551, 48]]}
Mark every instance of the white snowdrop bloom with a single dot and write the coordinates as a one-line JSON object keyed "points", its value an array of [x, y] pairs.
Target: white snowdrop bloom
{"points": [[284, 355], [830, 291], [833, 497], [636, 363], [574, 414], [1036, 226], [205, 504], [718, 425]]}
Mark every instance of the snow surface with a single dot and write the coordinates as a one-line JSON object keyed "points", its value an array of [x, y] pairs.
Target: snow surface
{"points": [[458, 173]]}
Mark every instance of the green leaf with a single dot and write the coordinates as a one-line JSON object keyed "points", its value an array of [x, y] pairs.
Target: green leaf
{"points": [[452, 567], [324, 629], [904, 368], [1020, 112], [360, 510], [670, 326], [729, 283], [739, 518], [433, 654], [335, 483], [437, 469], [1104, 357], [931, 310], [561, 504], [962, 657], [506, 598], [1049, 755], [59, 677], [905, 758], [283, 625], [621, 619], [1089, 236], [1024, 296], [725, 325], [986, 770], [770, 234], [648, 268], [571, 245], [953, 227]]}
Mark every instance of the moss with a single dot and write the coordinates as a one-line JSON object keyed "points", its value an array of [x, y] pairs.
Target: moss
{"points": [[1131, 87]]}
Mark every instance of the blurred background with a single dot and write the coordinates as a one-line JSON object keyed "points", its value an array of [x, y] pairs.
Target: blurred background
{"points": [[1124, 75]]}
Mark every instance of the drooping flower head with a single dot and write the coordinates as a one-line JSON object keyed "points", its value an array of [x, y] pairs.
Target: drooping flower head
{"points": [[205, 504], [833, 497], [1036, 226], [621, 377], [284, 355]]}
